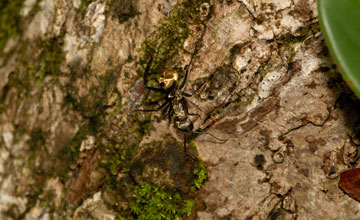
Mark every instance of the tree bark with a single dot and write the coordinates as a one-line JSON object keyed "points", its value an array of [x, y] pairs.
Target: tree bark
{"points": [[274, 123]]}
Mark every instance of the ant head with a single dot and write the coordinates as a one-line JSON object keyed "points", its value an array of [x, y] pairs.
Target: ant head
{"points": [[168, 79]]}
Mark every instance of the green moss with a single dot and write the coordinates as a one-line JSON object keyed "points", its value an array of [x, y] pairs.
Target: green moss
{"points": [[120, 217], [84, 5], [200, 174], [192, 144], [144, 125], [9, 20], [286, 42], [70, 154], [46, 200], [152, 203], [168, 39], [50, 58], [12, 212], [36, 143], [129, 59], [95, 102], [116, 155], [37, 139], [38, 156], [36, 62], [115, 163], [308, 30], [38, 152]]}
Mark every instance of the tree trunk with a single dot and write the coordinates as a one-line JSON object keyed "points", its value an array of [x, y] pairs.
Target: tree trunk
{"points": [[272, 122]]}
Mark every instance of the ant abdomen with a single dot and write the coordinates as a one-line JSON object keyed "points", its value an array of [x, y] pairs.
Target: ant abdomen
{"points": [[184, 125]]}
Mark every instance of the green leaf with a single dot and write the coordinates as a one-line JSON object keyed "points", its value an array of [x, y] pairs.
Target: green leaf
{"points": [[340, 24]]}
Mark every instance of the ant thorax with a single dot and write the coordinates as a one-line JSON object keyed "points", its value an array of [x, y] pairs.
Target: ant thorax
{"points": [[179, 110]]}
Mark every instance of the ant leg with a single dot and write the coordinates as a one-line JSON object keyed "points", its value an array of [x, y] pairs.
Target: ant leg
{"points": [[184, 104], [187, 94], [146, 73], [194, 93], [153, 110], [185, 144], [194, 104], [185, 151], [152, 88], [188, 66], [170, 113], [147, 68], [205, 132], [165, 109]]}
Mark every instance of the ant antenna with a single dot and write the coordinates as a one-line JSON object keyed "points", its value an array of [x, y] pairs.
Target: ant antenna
{"points": [[187, 67], [205, 132]]}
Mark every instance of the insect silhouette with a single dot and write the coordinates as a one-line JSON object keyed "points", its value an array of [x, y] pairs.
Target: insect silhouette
{"points": [[175, 105]]}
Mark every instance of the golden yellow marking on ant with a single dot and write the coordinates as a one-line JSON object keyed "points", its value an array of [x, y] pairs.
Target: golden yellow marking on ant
{"points": [[168, 79]]}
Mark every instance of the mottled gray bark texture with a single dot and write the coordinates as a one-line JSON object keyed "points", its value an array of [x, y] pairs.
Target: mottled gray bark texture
{"points": [[74, 146]]}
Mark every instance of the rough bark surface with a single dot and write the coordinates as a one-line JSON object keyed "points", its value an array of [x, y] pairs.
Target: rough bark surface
{"points": [[74, 146]]}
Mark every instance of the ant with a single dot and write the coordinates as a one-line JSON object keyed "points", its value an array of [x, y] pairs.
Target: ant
{"points": [[175, 104]]}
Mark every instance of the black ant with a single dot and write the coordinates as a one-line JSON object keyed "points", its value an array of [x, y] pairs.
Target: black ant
{"points": [[175, 104]]}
